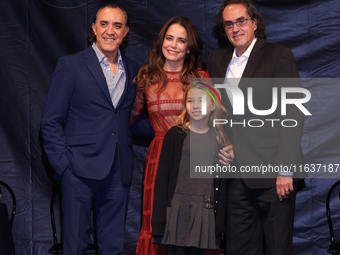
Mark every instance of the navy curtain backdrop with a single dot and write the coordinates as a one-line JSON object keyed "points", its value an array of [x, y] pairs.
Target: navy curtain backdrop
{"points": [[34, 34]]}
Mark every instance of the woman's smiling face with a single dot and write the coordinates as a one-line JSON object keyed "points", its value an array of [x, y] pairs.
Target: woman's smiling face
{"points": [[175, 47]]}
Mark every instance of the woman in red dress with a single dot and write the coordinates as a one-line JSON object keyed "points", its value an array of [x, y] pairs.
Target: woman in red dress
{"points": [[173, 60]]}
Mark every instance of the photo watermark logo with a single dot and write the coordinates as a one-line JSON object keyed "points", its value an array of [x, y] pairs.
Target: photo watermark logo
{"points": [[278, 94]]}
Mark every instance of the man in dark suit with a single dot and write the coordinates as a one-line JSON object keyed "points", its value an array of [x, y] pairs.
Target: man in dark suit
{"points": [[262, 204], [87, 139]]}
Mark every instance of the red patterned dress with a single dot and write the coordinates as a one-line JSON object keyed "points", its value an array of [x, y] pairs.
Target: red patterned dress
{"points": [[163, 108]]}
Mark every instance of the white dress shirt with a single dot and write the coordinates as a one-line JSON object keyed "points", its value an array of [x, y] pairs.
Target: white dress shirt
{"points": [[236, 68]]}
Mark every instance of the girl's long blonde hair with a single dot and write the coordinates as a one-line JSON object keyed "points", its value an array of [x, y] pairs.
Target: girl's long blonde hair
{"points": [[183, 120]]}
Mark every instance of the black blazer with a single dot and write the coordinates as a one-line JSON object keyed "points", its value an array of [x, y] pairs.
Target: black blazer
{"points": [[261, 146]]}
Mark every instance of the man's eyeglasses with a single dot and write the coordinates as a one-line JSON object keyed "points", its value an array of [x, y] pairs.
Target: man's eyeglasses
{"points": [[241, 22]]}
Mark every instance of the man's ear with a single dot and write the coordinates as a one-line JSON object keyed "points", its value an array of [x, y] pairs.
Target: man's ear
{"points": [[94, 28], [255, 22], [126, 31]]}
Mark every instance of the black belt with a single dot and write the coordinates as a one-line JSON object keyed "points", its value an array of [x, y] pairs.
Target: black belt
{"points": [[208, 202]]}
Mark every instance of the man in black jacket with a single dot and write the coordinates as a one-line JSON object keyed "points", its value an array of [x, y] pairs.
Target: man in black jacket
{"points": [[264, 205]]}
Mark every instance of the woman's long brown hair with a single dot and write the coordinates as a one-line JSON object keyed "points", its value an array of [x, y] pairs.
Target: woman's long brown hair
{"points": [[153, 72]]}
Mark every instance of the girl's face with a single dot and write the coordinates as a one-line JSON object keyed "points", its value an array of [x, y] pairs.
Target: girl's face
{"points": [[175, 47], [194, 105]]}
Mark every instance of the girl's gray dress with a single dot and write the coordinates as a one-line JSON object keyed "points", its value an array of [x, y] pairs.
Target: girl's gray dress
{"points": [[190, 219]]}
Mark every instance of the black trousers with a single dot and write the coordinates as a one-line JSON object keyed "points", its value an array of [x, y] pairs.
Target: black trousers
{"points": [[256, 213], [178, 250]]}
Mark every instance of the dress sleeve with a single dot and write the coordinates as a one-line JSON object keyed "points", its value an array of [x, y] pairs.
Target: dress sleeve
{"points": [[205, 74], [138, 106], [207, 78]]}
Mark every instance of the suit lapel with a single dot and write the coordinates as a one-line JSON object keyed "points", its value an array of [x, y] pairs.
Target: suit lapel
{"points": [[225, 60], [93, 65], [127, 86], [253, 61], [254, 58]]}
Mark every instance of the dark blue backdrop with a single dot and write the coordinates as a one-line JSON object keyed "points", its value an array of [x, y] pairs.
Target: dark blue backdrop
{"points": [[34, 34]]}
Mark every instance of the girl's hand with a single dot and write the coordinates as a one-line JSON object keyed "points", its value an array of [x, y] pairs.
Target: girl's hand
{"points": [[226, 155]]}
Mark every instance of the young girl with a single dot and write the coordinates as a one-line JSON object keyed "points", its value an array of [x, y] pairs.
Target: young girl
{"points": [[188, 213]]}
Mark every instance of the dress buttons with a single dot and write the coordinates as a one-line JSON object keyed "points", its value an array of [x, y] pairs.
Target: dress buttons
{"points": [[113, 133]]}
